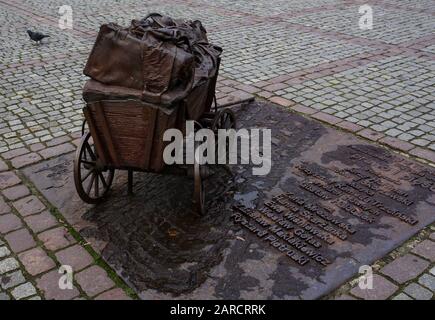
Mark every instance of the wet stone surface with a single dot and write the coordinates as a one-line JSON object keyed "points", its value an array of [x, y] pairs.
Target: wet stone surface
{"points": [[330, 204]]}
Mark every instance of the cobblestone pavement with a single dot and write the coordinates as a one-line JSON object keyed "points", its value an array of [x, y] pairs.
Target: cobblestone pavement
{"points": [[307, 55], [35, 241]]}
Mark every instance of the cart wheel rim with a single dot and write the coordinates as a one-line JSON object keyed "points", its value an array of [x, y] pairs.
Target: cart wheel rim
{"points": [[92, 182]]}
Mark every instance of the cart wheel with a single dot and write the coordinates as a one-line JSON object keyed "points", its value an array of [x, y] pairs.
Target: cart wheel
{"points": [[198, 192], [224, 119], [92, 179]]}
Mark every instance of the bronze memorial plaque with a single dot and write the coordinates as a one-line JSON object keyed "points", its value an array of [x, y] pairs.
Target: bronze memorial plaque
{"points": [[330, 204]]}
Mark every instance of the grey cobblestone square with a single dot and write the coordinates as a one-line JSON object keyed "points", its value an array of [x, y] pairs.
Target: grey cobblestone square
{"points": [[418, 292], [8, 264], [428, 281], [384, 116], [402, 296], [23, 291], [390, 25], [12, 279], [4, 252], [264, 51], [4, 296]]}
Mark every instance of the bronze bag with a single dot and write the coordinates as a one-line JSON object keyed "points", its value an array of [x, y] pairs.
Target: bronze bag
{"points": [[151, 62]]}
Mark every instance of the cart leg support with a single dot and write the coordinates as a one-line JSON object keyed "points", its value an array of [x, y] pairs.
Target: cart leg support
{"points": [[130, 182]]}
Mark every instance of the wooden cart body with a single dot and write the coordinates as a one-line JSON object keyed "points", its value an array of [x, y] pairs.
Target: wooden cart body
{"points": [[128, 135]]}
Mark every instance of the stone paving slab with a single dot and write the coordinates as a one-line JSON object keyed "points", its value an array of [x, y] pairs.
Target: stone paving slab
{"points": [[157, 208]]}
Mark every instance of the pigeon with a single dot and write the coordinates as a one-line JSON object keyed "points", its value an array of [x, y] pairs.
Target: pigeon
{"points": [[36, 36]]}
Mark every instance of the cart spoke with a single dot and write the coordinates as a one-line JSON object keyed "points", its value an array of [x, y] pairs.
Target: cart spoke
{"points": [[90, 151], [91, 183], [222, 122], [103, 180], [227, 122], [87, 175], [97, 189], [90, 163], [85, 155]]}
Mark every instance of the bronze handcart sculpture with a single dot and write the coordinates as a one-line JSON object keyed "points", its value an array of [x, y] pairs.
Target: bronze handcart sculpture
{"points": [[128, 111]]}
